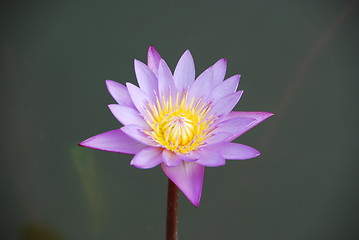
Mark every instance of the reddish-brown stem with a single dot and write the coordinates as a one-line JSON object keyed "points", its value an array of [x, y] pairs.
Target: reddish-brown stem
{"points": [[172, 211]]}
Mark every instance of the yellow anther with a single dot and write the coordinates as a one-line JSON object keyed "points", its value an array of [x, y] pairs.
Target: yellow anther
{"points": [[180, 124]]}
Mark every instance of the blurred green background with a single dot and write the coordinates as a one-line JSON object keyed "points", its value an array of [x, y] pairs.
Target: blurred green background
{"points": [[298, 59]]}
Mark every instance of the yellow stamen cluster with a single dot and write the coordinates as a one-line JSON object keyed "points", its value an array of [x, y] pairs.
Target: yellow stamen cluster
{"points": [[178, 124]]}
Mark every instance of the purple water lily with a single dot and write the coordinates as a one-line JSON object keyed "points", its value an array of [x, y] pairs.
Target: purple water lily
{"points": [[184, 124]]}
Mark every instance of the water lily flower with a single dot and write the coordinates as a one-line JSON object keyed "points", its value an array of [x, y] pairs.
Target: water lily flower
{"points": [[179, 121]]}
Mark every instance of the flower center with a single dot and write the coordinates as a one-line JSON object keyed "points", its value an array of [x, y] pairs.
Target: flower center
{"points": [[179, 125]]}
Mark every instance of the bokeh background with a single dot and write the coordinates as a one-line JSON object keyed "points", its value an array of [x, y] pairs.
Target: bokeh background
{"points": [[298, 59]]}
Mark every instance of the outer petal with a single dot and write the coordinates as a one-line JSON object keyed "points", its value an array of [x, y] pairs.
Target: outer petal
{"points": [[225, 88], [119, 93], [189, 178], [146, 79], [166, 84], [147, 158], [185, 71], [244, 117], [171, 159], [226, 104], [234, 126], [219, 71], [211, 159], [238, 151], [153, 59], [127, 116], [113, 141], [137, 133]]}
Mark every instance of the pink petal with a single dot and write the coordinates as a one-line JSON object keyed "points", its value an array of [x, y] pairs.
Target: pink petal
{"points": [[153, 59], [211, 159], [166, 83], [137, 133], [225, 88], [119, 93], [189, 178], [226, 104], [147, 158], [146, 79], [185, 72], [127, 116], [170, 158], [238, 151], [113, 141], [219, 71], [245, 118]]}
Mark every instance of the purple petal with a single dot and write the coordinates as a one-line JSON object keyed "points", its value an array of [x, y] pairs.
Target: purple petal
{"points": [[225, 88], [119, 93], [137, 133], [203, 85], [246, 120], [259, 116], [185, 72], [147, 158], [139, 98], [234, 126], [113, 141], [219, 71], [170, 158], [217, 138], [238, 151], [146, 79], [166, 84], [190, 156], [153, 59], [226, 104], [127, 116], [189, 178], [211, 159]]}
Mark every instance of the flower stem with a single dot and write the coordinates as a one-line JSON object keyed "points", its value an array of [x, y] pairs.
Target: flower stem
{"points": [[172, 211]]}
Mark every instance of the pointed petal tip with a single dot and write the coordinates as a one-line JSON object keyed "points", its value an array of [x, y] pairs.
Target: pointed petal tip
{"points": [[187, 53], [152, 49], [188, 177], [195, 202], [222, 60], [110, 83], [136, 62]]}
